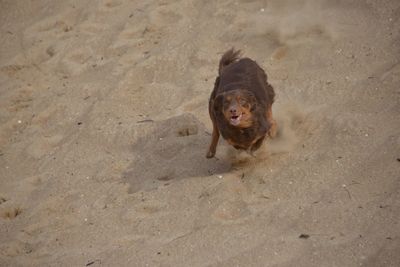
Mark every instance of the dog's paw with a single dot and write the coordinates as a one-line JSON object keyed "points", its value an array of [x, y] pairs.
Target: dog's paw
{"points": [[210, 154], [273, 130]]}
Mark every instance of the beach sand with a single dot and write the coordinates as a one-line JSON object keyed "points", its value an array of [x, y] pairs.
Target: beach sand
{"points": [[104, 128]]}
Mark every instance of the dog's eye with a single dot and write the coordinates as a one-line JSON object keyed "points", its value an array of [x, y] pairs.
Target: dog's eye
{"points": [[226, 103], [242, 102]]}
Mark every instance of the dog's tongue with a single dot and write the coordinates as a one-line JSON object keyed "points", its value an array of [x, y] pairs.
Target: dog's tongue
{"points": [[235, 120]]}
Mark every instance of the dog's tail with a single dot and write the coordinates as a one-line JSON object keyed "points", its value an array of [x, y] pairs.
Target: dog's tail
{"points": [[229, 57]]}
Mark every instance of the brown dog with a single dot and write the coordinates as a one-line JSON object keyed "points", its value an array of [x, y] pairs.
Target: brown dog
{"points": [[240, 105]]}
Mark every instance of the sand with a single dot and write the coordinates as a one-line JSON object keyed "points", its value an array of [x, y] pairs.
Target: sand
{"points": [[104, 129]]}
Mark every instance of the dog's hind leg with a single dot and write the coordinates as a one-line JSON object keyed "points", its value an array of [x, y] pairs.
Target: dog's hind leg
{"points": [[215, 133]]}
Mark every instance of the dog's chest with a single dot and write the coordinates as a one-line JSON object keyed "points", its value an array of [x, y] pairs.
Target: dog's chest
{"points": [[242, 138]]}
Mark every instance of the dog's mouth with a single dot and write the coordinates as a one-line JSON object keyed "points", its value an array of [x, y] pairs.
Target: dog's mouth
{"points": [[235, 120]]}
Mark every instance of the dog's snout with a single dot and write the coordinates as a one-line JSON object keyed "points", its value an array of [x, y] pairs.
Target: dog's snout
{"points": [[233, 108]]}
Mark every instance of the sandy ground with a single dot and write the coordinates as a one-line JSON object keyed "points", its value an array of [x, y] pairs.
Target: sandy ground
{"points": [[104, 129]]}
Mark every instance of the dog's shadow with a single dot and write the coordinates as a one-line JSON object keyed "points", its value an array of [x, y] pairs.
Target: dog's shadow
{"points": [[170, 150]]}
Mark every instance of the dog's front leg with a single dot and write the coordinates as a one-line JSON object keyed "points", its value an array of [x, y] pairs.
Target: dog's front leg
{"points": [[214, 141]]}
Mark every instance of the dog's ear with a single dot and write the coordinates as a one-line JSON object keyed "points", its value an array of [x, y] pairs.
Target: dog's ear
{"points": [[218, 103]]}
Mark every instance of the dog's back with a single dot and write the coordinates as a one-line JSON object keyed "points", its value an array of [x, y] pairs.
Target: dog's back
{"points": [[246, 74]]}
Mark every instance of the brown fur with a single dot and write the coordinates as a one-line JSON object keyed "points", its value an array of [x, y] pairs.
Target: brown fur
{"points": [[240, 105]]}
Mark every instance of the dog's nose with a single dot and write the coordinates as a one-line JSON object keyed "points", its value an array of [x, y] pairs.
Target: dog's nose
{"points": [[233, 110]]}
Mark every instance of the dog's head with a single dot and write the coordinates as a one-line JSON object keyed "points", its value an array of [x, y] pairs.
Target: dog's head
{"points": [[237, 106]]}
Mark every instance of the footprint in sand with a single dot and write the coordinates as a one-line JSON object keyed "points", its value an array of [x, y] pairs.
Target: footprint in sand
{"points": [[21, 100], [50, 116], [48, 36], [144, 210], [231, 211], [12, 70], [43, 146], [16, 248], [112, 4], [49, 24], [10, 212], [2, 200], [76, 61], [51, 51], [163, 16]]}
